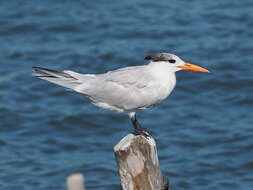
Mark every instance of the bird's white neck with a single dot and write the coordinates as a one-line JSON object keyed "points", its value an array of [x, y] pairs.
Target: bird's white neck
{"points": [[164, 79], [164, 65], [164, 73], [162, 69]]}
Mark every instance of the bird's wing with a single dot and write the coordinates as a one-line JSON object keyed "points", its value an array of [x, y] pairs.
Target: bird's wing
{"points": [[130, 77], [127, 89]]}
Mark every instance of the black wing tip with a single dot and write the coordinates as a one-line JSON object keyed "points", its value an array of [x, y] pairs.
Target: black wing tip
{"points": [[41, 69], [37, 68], [51, 72]]}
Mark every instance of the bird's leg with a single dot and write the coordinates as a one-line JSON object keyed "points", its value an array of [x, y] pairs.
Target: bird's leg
{"points": [[138, 130]]}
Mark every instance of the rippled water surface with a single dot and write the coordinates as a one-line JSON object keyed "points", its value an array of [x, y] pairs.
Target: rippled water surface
{"points": [[204, 130]]}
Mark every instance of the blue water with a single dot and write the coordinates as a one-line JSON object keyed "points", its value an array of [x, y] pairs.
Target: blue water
{"points": [[203, 131]]}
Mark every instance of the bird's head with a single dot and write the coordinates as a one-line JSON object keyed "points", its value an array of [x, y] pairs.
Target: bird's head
{"points": [[174, 62]]}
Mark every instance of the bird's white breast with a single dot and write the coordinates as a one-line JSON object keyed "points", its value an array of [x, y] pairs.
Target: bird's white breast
{"points": [[165, 80]]}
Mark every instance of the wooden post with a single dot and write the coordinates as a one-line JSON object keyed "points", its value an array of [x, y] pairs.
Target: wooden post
{"points": [[75, 182], [138, 164]]}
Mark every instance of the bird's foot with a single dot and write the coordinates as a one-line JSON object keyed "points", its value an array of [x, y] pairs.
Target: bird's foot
{"points": [[142, 131], [165, 184]]}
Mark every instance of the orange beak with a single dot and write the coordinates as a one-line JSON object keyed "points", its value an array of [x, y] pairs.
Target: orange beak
{"points": [[191, 67]]}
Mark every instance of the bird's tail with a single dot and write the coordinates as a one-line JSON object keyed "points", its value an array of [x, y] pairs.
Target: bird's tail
{"points": [[57, 77]]}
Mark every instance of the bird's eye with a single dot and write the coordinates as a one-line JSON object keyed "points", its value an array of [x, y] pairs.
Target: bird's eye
{"points": [[172, 61]]}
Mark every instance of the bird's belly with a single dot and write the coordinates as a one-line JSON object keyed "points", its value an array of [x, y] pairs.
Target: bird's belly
{"points": [[125, 99], [153, 97], [163, 91], [160, 96], [137, 100]]}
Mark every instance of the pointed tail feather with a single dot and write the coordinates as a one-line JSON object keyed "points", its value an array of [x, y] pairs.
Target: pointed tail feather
{"points": [[57, 77]]}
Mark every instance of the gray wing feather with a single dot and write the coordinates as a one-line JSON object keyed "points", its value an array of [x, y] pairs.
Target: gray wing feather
{"points": [[123, 88]]}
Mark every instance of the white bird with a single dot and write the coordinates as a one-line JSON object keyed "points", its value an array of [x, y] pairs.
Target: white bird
{"points": [[128, 89]]}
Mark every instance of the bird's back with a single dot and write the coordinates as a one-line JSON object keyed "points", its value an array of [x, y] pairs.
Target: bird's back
{"points": [[125, 90]]}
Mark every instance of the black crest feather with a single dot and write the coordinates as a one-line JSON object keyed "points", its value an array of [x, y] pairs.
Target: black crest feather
{"points": [[159, 57]]}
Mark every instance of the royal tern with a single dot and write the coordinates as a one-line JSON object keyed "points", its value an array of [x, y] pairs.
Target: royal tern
{"points": [[128, 89]]}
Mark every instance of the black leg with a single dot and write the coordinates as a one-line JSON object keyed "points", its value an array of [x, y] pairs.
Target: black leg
{"points": [[138, 130]]}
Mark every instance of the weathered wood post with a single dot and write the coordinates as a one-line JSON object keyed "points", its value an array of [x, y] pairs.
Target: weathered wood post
{"points": [[75, 182], [138, 164]]}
